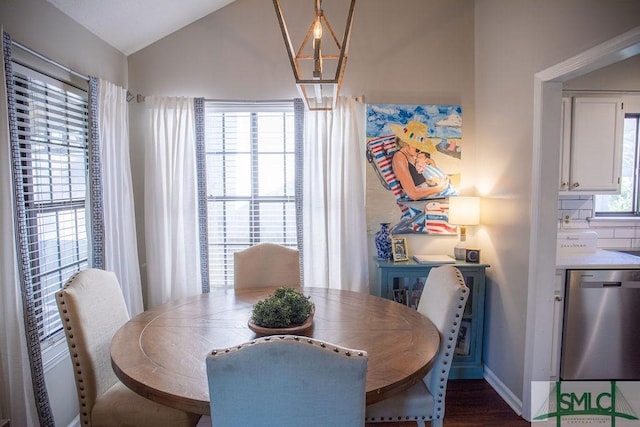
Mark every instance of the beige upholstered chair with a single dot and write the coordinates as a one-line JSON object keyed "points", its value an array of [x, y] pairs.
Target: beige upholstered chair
{"points": [[266, 265], [443, 299], [287, 381], [92, 309]]}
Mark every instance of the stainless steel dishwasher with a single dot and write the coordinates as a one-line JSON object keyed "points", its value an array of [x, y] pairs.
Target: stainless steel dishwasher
{"points": [[601, 325]]}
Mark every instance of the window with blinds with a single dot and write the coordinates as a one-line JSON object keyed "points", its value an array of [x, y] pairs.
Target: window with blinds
{"points": [[250, 157], [52, 123]]}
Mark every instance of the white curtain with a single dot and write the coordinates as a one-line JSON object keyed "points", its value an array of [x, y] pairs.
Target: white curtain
{"points": [[120, 245], [16, 390], [171, 208], [334, 220]]}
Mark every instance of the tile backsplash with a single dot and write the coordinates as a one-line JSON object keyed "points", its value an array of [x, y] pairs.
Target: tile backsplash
{"points": [[575, 214]]}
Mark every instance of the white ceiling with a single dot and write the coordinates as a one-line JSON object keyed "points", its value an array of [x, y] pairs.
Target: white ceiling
{"points": [[130, 25]]}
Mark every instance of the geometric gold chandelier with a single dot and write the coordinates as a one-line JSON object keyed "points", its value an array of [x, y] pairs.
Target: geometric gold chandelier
{"points": [[319, 63]]}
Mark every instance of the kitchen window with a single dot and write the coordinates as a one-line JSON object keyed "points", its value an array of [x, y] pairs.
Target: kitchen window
{"points": [[251, 169], [52, 148], [627, 203]]}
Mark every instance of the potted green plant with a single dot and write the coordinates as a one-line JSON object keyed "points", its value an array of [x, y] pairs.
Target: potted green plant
{"points": [[286, 311]]}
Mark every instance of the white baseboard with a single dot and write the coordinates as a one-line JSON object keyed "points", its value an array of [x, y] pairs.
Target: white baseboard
{"points": [[507, 395]]}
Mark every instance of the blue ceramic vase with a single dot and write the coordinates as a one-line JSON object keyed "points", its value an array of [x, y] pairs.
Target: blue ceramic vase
{"points": [[383, 241]]}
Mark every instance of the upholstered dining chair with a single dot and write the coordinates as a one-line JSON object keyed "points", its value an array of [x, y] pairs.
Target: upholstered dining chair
{"points": [[442, 301], [287, 381], [266, 265], [92, 309]]}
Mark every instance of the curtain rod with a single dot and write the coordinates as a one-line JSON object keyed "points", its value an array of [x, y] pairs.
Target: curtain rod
{"points": [[141, 98], [48, 60], [245, 101], [358, 98]]}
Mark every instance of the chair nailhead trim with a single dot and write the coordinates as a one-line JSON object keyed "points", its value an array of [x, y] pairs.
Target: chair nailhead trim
{"points": [[68, 327], [321, 344]]}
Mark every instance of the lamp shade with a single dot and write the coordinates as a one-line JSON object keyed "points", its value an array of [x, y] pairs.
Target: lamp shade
{"points": [[464, 210]]}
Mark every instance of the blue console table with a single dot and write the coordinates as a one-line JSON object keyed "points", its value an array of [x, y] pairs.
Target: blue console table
{"points": [[403, 282]]}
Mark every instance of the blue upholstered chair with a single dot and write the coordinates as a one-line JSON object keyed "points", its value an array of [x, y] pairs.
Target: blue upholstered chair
{"points": [[266, 265], [92, 309], [287, 381], [443, 299]]}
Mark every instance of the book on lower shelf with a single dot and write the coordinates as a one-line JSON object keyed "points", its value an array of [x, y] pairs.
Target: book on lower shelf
{"points": [[434, 259]]}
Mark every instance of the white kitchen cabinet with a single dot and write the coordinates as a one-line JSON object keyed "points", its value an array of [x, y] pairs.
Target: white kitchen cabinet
{"points": [[591, 154]]}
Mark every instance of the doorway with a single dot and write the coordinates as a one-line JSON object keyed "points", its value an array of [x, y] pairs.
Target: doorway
{"points": [[546, 145]]}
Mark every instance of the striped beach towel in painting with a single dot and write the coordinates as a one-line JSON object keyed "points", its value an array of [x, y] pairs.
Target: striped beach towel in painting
{"points": [[380, 153], [437, 218]]}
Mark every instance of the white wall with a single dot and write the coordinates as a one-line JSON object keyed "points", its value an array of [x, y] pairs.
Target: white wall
{"points": [[41, 27], [621, 76], [514, 40], [405, 51]]}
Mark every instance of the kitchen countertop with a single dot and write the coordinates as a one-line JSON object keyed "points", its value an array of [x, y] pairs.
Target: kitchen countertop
{"points": [[601, 259]]}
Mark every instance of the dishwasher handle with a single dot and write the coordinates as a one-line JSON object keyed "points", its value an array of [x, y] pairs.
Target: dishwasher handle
{"points": [[611, 284], [632, 284]]}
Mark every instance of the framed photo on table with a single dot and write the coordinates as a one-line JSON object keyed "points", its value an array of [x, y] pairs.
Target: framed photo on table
{"points": [[399, 249]]}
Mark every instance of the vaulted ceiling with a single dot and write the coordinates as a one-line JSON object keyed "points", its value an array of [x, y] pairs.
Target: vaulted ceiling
{"points": [[130, 25]]}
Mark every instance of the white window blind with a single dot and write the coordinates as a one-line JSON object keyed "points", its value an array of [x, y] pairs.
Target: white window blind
{"points": [[52, 124], [250, 157]]}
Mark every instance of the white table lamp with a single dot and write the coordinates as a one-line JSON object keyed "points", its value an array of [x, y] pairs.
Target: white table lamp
{"points": [[463, 211]]}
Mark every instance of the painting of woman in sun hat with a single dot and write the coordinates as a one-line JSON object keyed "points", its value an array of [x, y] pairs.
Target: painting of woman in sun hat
{"points": [[415, 151], [414, 154]]}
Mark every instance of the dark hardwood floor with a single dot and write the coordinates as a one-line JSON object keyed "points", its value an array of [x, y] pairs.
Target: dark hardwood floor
{"points": [[473, 403]]}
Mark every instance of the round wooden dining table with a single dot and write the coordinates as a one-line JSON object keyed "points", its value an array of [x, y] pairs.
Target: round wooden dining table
{"points": [[160, 354]]}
